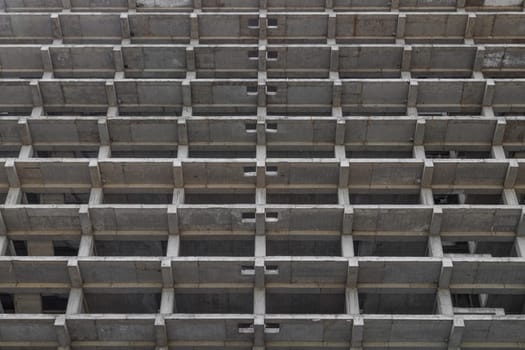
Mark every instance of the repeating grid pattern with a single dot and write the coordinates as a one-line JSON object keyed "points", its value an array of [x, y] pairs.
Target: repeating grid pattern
{"points": [[262, 174]]}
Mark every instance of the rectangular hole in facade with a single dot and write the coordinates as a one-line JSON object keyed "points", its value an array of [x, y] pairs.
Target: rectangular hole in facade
{"points": [[246, 152], [130, 247], [300, 152], [219, 197], [215, 301], [253, 23], [138, 198], [390, 248], [397, 303], [468, 198], [217, 246], [65, 248], [488, 248], [54, 303], [502, 304], [85, 153], [252, 90], [301, 198], [386, 198], [303, 246], [144, 153], [56, 198], [8, 303], [122, 303], [328, 301], [452, 154], [375, 154]]}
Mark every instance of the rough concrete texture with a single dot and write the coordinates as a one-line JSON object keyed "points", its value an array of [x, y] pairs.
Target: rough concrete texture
{"points": [[262, 174]]}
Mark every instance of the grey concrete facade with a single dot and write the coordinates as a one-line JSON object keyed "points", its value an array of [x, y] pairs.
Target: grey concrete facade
{"points": [[262, 174]]}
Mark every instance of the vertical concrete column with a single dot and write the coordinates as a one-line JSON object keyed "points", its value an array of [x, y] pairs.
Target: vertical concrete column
{"points": [[401, 25], [36, 95], [47, 63], [56, 28]]}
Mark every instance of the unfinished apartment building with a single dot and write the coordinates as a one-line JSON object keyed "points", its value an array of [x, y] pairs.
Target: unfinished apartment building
{"points": [[262, 174]]}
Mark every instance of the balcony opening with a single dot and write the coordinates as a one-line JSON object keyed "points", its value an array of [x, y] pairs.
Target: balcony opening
{"points": [[212, 197], [219, 153], [486, 248], [65, 248], [397, 303], [51, 153], [54, 303], [375, 154], [149, 154], [303, 245], [130, 247], [452, 154], [137, 198], [8, 303], [74, 198], [304, 301], [217, 246], [122, 303], [300, 152], [488, 304], [214, 301], [468, 197], [20, 247], [393, 248], [312, 197], [385, 197]]}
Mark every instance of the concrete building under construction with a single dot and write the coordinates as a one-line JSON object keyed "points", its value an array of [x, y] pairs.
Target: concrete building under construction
{"points": [[262, 174]]}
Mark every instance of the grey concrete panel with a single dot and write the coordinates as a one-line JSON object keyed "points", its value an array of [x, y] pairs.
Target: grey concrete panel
{"points": [[365, 61], [15, 97], [20, 62], [157, 173], [221, 131], [74, 95], [204, 271], [335, 329], [213, 219], [120, 270], [316, 271], [369, 220], [432, 330], [143, 131], [292, 97], [291, 28], [159, 28], [449, 173], [54, 173], [323, 172], [143, 96], [82, 62], [25, 28], [49, 218], [226, 61], [227, 28], [404, 174], [304, 220], [154, 61], [436, 28], [298, 62], [207, 328], [450, 96], [64, 131], [369, 96], [490, 221], [116, 218], [369, 28], [398, 270], [90, 29]]}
